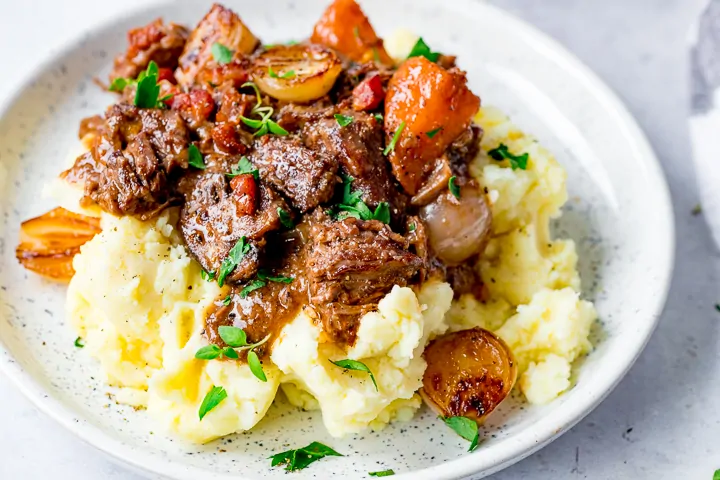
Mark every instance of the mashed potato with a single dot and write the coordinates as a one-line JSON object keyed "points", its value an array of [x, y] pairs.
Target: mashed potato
{"points": [[138, 300]]}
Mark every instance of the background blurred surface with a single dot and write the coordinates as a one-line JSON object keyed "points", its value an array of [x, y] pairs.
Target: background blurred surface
{"points": [[663, 421]]}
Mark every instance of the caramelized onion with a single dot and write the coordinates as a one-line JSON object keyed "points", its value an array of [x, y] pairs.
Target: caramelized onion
{"points": [[469, 374], [458, 228], [49, 242], [296, 73]]}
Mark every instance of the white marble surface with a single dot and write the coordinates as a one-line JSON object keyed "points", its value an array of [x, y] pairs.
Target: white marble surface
{"points": [[663, 421]]}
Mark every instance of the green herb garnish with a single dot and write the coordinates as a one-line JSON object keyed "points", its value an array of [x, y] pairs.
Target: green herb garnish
{"points": [[466, 428], [411, 228], [244, 167], [195, 158], [348, 364], [211, 352], [264, 125], [378, 117], [251, 287], [119, 84], [207, 276], [353, 206], [697, 210], [343, 120], [235, 256], [226, 301], [233, 336], [502, 153], [391, 146], [384, 473], [717, 307], [434, 132], [265, 275], [421, 49], [716, 475], [284, 76], [285, 218], [256, 366], [236, 338], [453, 186], [148, 91], [221, 53], [356, 31], [79, 342], [302, 457], [212, 400]]}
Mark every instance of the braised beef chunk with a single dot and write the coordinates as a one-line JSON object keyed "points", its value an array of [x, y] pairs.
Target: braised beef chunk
{"points": [[464, 149], [306, 177], [293, 117], [215, 217], [133, 152], [358, 148], [465, 279], [351, 265], [156, 42]]}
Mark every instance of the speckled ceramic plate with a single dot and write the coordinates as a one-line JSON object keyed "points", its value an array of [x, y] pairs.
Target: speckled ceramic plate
{"points": [[619, 215]]}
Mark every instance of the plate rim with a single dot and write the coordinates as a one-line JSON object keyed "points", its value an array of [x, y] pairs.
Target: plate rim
{"points": [[546, 430]]}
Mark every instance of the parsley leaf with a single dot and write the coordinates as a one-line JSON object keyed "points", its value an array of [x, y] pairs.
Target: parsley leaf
{"points": [[244, 167], [382, 212], [212, 400], [227, 300], [434, 132], [146, 95], [79, 342], [343, 120], [264, 125], [195, 158], [421, 49], [716, 475], [208, 352], [378, 117], [353, 206], [233, 336], [256, 366], [221, 53], [285, 218], [411, 228], [466, 428], [264, 275], [502, 153], [233, 259], [207, 276], [251, 287], [284, 76], [302, 457], [454, 189], [348, 364], [384, 473], [391, 146], [119, 84]]}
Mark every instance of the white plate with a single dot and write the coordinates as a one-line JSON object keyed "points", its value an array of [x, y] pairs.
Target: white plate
{"points": [[619, 215]]}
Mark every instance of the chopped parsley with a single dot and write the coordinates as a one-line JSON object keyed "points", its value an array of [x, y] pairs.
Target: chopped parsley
{"points": [[466, 428], [221, 53], [421, 49], [265, 124], [356, 31], [265, 275], [195, 158], [241, 248], [226, 301], [391, 146], [302, 457], [454, 189], [212, 400], [502, 153], [353, 206], [251, 287], [285, 218], [343, 120], [207, 276], [412, 227], [284, 76], [384, 473], [148, 91], [244, 167], [79, 342], [434, 132], [716, 475], [348, 364], [378, 117], [119, 84]]}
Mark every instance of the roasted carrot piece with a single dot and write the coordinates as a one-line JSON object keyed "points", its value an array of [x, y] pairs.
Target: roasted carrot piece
{"points": [[345, 28], [49, 242], [436, 106]]}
